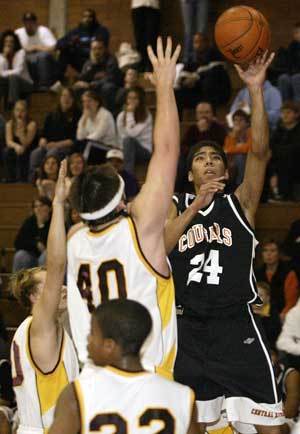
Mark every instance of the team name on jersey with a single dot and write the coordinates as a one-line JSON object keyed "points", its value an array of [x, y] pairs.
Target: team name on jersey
{"points": [[198, 233]]}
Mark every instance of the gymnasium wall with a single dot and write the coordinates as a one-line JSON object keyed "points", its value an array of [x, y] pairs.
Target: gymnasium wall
{"points": [[116, 15]]}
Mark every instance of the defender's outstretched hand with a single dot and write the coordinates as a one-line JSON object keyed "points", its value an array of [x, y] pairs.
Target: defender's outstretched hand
{"points": [[62, 186], [164, 63], [255, 74]]}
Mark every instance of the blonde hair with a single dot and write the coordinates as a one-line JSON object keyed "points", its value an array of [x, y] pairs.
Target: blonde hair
{"points": [[23, 284]]}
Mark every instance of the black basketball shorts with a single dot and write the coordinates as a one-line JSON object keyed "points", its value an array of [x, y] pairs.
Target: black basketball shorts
{"points": [[227, 363]]}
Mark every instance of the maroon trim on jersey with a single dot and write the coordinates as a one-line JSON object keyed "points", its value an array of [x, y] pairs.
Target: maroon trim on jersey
{"points": [[142, 253], [59, 356]]}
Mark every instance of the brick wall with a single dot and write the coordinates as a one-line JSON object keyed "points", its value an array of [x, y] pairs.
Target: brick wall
{"points": [[13, 10]]}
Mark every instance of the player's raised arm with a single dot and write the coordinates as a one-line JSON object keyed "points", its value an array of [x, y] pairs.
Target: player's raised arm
{"points": [[150, 207], [45, 309], [249, 191]]}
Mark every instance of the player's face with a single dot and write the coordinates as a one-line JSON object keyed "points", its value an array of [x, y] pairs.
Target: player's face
{"points": [[207, 165], [98, 349], [270, 254]]}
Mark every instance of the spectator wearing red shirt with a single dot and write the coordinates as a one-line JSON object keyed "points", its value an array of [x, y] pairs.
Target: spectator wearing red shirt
{"points": [[280, 276]]}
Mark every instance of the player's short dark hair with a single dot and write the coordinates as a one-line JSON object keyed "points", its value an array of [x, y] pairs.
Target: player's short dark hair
{"points": [[127, 322], [94, 189], [204, 143]]}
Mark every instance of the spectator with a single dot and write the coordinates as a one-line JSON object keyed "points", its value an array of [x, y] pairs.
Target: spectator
{"points": [[39, 43], [289, 81], [268, 313], [289, 338], [72, 217], [131, 80], [146, 22], [100, 73], [291, 245], [76, 165], [74, 47], [237, 144], [96, 128], [135, 126], [207, 127], [47, 176], [21, 135], [194, 14], [59, 132], [31, 240], [285, 146], [15, 81], [115, 157], [203, 78], [280, 276], [272, 100]]}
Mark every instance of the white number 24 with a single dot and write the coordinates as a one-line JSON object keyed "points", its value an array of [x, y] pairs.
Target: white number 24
{"points": [[209, 266]]}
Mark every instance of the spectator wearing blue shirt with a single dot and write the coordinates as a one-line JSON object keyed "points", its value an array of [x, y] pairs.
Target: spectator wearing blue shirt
{"points": [[74, 47], [272, 100]]}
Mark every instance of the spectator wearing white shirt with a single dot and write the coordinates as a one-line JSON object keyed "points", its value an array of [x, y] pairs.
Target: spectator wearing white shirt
{"points": [[96, 128], [146, 22], [135, 127], [39, 43], [289, 338], [15, 81]]}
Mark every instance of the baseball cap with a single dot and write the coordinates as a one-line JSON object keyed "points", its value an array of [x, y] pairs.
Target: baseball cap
{"points": [[29, 16], [115, 153]]}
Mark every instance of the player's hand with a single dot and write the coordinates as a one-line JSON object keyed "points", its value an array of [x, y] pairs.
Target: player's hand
{"points": [[62, 186], [207, 192], [255, 74], [164, 63]]}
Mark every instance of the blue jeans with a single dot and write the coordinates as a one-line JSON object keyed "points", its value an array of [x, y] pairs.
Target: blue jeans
{"points": [[133, 152], [194, 14], [24, 259]]}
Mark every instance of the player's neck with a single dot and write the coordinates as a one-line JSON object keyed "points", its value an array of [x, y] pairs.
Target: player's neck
{"points": [[128, 363], [105, 225]]}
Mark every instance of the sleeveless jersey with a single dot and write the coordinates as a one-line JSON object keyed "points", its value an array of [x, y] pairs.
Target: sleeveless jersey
{"points": [[213, 260], [134, 403], [37, 392], [110, 264]]}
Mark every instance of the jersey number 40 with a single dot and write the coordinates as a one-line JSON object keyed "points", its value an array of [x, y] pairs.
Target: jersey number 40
{"points": [[85, 284]]}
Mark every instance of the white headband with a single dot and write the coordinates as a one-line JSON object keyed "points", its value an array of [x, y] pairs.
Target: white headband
{"points": [[103, 212]]}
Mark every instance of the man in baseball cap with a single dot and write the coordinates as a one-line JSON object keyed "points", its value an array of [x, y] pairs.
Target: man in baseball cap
{"points": [[115, 157]]}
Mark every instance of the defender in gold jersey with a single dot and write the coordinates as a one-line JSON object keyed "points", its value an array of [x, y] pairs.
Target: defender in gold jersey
{"points": [[43, 357]]}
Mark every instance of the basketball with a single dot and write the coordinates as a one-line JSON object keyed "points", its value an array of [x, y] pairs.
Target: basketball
{"points": [[242, 33]]}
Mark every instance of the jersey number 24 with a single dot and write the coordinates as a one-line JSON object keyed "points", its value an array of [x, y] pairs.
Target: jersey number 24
{"points": [[209, 267]]}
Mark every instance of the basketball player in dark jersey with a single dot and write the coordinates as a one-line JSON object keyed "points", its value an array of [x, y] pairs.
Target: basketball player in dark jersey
{"points": [[222, 350]]}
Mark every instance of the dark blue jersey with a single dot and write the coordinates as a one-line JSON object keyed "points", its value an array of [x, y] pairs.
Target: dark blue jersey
{"points": [[213, 260]]}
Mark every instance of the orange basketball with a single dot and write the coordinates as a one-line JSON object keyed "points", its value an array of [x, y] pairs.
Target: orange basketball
{"points": [[242, 33]]}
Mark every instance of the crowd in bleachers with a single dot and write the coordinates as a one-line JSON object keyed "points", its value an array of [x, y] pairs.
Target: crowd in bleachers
{"points": [[102, 116]]}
